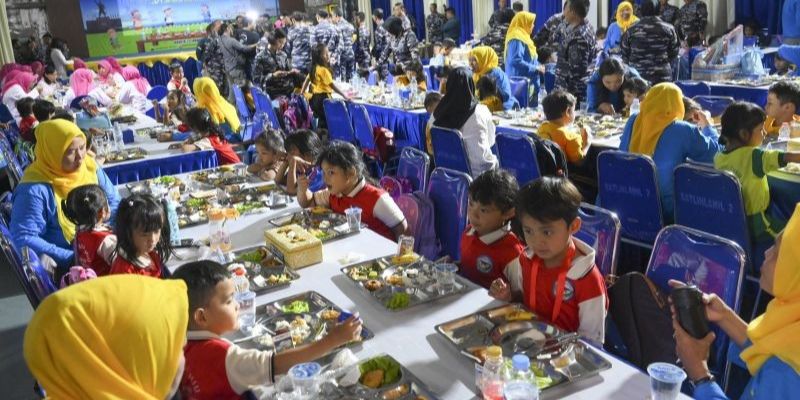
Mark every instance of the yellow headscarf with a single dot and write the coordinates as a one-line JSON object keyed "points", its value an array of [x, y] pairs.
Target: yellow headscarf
{"points": [[625, 24], [487, 60], [520, 29], [52, 140], [115, 337], [208, 97], [662, 106], [775, 333]]}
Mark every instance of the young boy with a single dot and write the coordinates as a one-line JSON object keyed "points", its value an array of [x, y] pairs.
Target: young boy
{"points": [[634, 88], [784, 67], [783, 105], [488, 246], [218, 369], [43, 110], [555, 277], [27, 121], [559, 109], [432, 100]]}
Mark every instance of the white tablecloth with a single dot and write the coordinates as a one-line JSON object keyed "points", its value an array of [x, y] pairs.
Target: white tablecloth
{"points": [[611, 142]]}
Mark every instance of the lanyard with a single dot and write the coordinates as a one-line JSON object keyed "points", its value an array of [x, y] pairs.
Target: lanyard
{"points": [[538, 263]]}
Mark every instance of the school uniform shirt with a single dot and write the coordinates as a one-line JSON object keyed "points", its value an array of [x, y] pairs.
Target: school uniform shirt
{"points": [[218, 369], [128, 94], [486, 258], [13, 94], [378, 211], [224, 150], [182, 85], [95, 249], [323, 81], [584, 301], [149, 265], [568, 138], [26, 127]]}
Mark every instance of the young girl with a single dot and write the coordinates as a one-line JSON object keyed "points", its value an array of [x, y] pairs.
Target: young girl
{"points": [[87, 207], [270, 148], [635, 88], [175, 110], [178, 81], [302, 148], [27, 121], [320, 80], [742, 135], [414, 70], [134, 90], [143, 245], [343, 172], [211, 136], [48, 85]]}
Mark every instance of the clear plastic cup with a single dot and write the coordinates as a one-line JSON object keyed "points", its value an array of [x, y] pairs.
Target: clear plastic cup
{"points": [[445, 278], [353, 218], [665, 380], [247, 311], [304, 378]]}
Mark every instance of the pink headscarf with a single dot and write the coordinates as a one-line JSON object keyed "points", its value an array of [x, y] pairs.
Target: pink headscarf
{"points": [[131, 74], [81, 82], [115, 66], [107, 65], [24, 79], [9, 68], [38, 68], [78, 63]]}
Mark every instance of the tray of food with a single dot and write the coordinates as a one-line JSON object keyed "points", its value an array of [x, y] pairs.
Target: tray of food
{"points": [[557, 357], [134, 153], [223, 176], [603, 125], [164, 182], [377, 378], [401, 282], [294, 321], [264, 271], [321, 222], [192, 211]]}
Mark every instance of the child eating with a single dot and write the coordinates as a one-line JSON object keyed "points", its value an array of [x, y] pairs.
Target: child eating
{"points": [[559, 109], [269, 146]]}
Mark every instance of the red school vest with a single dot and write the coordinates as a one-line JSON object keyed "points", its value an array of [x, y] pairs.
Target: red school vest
{"points": [[205, 375], [224, 151], [123, 266], [87, 243], [365, 199], [483, 263]]}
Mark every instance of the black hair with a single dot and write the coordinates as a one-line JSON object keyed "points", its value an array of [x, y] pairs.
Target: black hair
{"points": [[431, 98], [200, 121], [361, 16], [316, 60], [635, 85], [141, 212], [450, 10], [738, 122], [378, 13], [486, 87], [344, 155], [174, 67], [210, 27], [448, 43], [298, 16], [517, 6], [337, 12], [611, 66], [305, 141], [557, 103], [48, 69], [694, 39], [580, 7], [416, 66], [82, 205], [495, 187], [549, 199], [787, 92], [201, 278], [544, 54], [601, 31], [648, 9], [63, 114], [25, 106], [444, 72], [43, 109], [276, 35], [323, 14], [271, 139], [224, 27]]}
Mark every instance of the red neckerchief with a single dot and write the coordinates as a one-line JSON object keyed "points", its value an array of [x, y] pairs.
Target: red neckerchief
{"points": [[529, 276]]}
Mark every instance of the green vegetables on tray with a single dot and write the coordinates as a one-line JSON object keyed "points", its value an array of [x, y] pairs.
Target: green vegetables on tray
{"points": [[391, 372], [398, 301], [542, 380], [296, 307]]}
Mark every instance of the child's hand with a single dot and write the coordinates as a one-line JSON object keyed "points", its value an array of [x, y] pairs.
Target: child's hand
{"points": [[586, 134], [346, 332], [302, 182], [500, 290]]}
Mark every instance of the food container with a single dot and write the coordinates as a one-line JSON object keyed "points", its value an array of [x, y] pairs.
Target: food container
{"points": [[294, 245]]}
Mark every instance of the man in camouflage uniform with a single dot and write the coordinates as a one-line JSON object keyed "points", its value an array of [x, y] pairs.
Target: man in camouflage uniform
{"points": [[381, 37], [326, 33], [299, 39], [402, 46], [651, 46], [549, 35], [498, 27], [668, 12], [693, 17], [214, 61], [273, 71], [362, 42], [434, 22], [347, 58], [577, 49]]}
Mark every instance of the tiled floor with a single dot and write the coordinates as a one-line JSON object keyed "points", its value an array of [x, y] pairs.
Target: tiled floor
{"points": [[15, 312]]}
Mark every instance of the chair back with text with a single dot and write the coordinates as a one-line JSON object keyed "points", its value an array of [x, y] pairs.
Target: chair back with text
{"points": [[520, 87], [157, 93], [517, 154], [716, 105], [340, 127], [691, 88], [449, 192], [413, 166], [600, 229], [449, 150]]}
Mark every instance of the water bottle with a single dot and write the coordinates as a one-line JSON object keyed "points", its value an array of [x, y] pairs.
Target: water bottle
{"points": [[520, 384], [785, 132], [240, 282], [118, 143], [542, 95], [492, 377], [635, 106], [172, 219]]}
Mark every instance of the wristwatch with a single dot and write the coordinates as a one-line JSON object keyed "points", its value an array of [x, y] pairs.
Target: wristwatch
{"points": [[706, 379]]}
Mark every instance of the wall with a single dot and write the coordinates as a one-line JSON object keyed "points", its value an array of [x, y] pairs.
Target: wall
{"points": [[66, 23]]}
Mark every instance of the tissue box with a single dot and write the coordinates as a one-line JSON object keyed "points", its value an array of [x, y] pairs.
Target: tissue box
{"points": [[294, 245]]}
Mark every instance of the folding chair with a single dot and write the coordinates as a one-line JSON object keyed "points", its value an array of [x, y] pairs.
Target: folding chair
{"points": [[716, 105], [449, 150], [157, 93], [600, 229], [5, 114], [692, 88], [35, 281], [264, 105], [449, 191], [517, 154], [340, 127], [520, 88], [413, 166]]}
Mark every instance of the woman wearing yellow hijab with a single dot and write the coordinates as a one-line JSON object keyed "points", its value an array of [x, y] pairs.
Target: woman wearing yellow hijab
{"points": [[484, 63], [520, 51], [624, 20], [116, 337], [659, 131], [208, 97], [770, 343], [61, 164]]}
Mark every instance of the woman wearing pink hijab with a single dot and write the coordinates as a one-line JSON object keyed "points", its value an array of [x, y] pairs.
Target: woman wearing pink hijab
{"points": [[18, 85], [78, 63], [81, 83], [135, 89], [107, 76], [37, 68], [115, 65]]}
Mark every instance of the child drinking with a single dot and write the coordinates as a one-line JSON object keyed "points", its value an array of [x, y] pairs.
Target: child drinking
{"points": [[87, 207], [175, 109], [320, 81], [302, 148], [270, 149], [211, 136], [414, 70], [343, 172], [559, 109], [142, 232]]}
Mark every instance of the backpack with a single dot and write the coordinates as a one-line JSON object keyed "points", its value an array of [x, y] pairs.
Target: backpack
{"points": [[551, 160], [640, 318], [297, 114], [384, 143], [418, 209], [395, 185], [77, 274]]}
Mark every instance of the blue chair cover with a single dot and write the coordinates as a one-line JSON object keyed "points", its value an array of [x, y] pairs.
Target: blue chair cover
{"points": [[241, 103], [449, 191], [14, 167], [628, 186], [448, 149], [254, 129], [362, 126], [40, 280], [716, 105], [714, 264], [408, 126], [160, 74], [517, 154], [157, 93], [340, 127], [156, 167], [14, 259], [5, 206], [152, 111], [264, 104], [414, 165], [5, 114], [691, 88], [75, 104], [191, 70], [600, 228], [520, 87]]}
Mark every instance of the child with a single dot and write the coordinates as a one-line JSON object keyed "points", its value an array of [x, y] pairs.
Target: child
{"points": [[414, 70], [43, 110], [783, 105], [48, 85], [695, 114], [134, 91], [175, 110], [783, 67], [178, 81], [87, 207], [633, 88], [742, 134], [488, 95], [211, 136], [215, 368], [142, 231], [27, 121], [559, 109], [555, 277], [302, 148], [270, 148], [438, 57], [488, 246], [447, 48], [546, 56], [432, 100], [320, 81], [441, 75], [343, 172]]}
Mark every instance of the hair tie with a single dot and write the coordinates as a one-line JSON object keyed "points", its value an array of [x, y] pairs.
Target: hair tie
{"points": [[130, 203]]}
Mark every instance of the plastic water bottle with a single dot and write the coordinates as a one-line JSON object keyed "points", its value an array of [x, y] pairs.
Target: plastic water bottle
{"points": [[785, 132], [240, 282], [635, 106], [492, 377], [519, 381], [542, 95], [172, 219], [118, 142]]}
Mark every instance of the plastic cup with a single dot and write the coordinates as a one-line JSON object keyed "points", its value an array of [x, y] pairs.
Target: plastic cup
{"points": [[304, 378], [247, 311], [445, 277], [353, 218], [277, 198], [665, 380]]}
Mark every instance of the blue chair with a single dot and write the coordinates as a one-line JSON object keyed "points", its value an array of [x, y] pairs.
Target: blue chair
{"points": [[340, 126], [255, 128], [191, 70], [628, 186], [15, 170], [241, 103], [449, 192], [152, 111], [5, 206], [5, 114], [34, 279], [160, 73], [714, 264], [362, 128], [157, 93], [75, 104], [692, 88], [716, 105], [448, 149], [600, 228], [520, 88], [517, 154], [147, 73], [264, 105], [413, 166]]}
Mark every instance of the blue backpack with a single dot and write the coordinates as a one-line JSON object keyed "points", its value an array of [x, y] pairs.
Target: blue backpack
{"points": [[418, 209]]}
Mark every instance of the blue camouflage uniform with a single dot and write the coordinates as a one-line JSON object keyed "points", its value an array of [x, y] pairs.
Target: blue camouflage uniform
{"points": [[362, 47], [344, 70], [326, 33], [692, 18], [576, 55], [300, 41], [651, 46]]}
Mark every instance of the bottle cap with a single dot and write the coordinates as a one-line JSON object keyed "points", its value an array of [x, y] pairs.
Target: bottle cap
{"points": [[494, 351], [521, 362], [239, 271]]}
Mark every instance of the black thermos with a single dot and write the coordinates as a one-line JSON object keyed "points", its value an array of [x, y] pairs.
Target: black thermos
{"points": [[691, 311]]}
